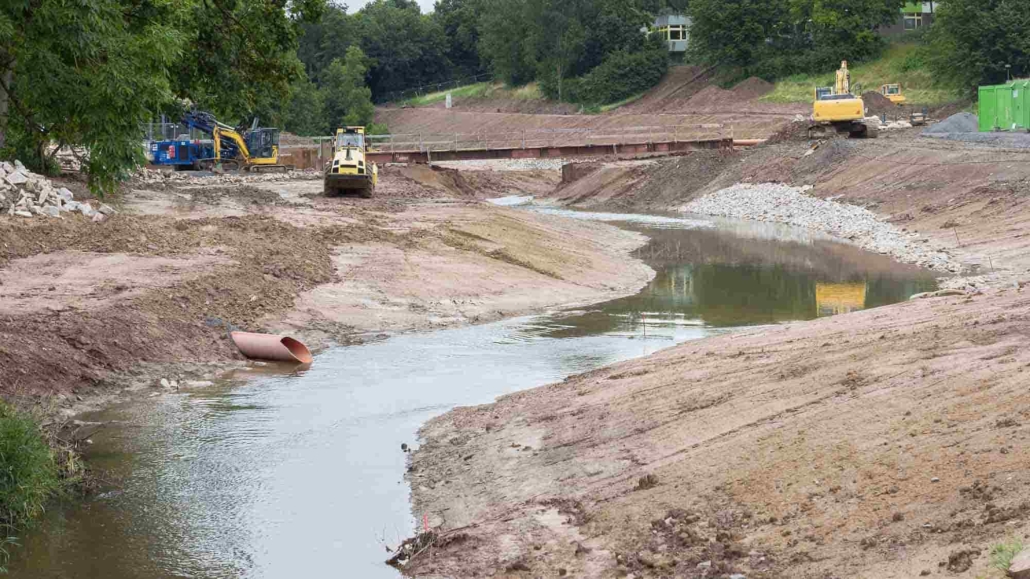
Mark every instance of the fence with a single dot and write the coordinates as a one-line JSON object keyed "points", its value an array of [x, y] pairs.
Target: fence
{"points": [[536, 138]]}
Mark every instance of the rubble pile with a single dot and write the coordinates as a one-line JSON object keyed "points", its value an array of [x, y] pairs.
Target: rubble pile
{"points": [[26, 194], [151, 177]]}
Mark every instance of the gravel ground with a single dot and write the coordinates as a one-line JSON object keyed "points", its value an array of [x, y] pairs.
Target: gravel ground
{"points": [[791, 205], [964, 127]]}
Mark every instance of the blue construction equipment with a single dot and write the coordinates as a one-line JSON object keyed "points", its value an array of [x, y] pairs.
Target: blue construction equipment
{"points": [[252, 149]]}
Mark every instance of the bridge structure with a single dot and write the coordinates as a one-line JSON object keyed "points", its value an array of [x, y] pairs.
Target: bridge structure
{"points": [[547, 143]]}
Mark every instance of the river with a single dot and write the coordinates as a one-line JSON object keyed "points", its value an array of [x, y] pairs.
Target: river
{"points": [[300, 473]]}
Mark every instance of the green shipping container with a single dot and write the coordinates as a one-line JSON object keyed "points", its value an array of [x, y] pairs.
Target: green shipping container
{"points": [[1005, 107]]}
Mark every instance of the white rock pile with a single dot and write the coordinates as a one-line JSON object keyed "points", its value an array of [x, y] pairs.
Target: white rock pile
{"points": [[773, 202], [150, 176], [26, 194]]}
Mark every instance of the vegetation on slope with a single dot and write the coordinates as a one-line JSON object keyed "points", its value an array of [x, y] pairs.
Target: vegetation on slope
{"points": [[901, 63]]}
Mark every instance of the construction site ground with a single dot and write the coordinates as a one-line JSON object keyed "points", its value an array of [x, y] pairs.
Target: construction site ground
{"points": [[883, 443], [89, 309], [879, 444]]}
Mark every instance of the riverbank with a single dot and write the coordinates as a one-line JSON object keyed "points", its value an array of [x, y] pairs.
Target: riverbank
{"points": [[883, 443], [91, 310]]}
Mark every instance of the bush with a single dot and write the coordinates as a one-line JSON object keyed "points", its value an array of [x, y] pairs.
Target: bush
{"points": [[29, 473], [623, 75]]}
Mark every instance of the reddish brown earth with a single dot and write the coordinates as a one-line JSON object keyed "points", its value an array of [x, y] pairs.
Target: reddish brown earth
{"points": [[152, 291], [888, 443], [686, 99]]}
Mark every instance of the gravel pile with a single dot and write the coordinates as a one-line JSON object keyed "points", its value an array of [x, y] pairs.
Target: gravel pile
{"points": [[149, 176], [791, 205], [958, 123], [26, 194]]}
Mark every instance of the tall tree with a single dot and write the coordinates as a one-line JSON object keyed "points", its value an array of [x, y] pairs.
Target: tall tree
{"points": [[460, 22], [85, 73], [305, 113], [972, 41], [347, 100], [90, 72]]}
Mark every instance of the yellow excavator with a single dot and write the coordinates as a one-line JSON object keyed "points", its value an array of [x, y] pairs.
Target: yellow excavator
{"points": [[254, 149], [893, 93], [836, 107], [348, 170]]}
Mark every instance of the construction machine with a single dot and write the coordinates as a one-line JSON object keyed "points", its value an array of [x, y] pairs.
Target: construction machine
{"points": [[893, 93], [253, 149], [836, 107], [348, 169]]}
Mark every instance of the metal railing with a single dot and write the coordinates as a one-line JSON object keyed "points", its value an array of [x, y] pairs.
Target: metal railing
{"points": [[536, 138]]}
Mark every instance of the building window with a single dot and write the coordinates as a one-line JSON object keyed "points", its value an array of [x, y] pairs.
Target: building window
{"points": [[913, 21], [676, 33]]}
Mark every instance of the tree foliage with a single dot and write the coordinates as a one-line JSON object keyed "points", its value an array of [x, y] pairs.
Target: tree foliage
{"points": [[90, 73], [972, 40], [347, 100], [771, 38]]}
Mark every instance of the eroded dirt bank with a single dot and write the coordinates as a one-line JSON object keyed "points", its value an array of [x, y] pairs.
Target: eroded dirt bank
{"points": [[151, 292], [884, 443]]}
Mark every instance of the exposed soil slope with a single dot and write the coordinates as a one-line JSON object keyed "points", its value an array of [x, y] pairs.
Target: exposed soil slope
{"points": [[162, 281], [880, 444]]}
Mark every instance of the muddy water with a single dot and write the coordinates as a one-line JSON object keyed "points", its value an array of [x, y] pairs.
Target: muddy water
{"points": [[300, 474]]}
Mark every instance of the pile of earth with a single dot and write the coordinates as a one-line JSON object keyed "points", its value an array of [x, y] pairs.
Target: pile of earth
{"points": [[877, 104]]}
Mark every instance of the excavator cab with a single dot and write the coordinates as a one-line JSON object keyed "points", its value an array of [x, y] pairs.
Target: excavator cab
{"points": [[263, 144]]}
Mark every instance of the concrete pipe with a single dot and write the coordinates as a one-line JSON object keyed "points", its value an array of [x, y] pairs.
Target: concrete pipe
{"points": [[269, 347]]}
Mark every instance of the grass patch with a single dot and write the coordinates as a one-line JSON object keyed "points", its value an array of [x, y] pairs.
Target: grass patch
{"points": [[480, 90], [901, 63], [613, 106], [34, 467], [1001, 555]]}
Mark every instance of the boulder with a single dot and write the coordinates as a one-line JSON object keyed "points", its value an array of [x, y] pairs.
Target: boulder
{"points": [[22, 213], [44, 195], [17, 178], [1020, 566], [65, 194], [106, 209], [7, 167], [86, 210], [19, 166], [52, 210]]}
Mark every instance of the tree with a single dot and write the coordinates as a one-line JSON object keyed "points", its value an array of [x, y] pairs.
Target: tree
{"points": [[734, 32], [971, 41], [504, 30], [459, 20], [90, 73], [86, 74], [241, 55], [348, 101], [305, 113], [779, 37]]}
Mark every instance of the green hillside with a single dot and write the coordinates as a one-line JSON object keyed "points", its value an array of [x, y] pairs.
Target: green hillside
{"points": [[900, 63]]}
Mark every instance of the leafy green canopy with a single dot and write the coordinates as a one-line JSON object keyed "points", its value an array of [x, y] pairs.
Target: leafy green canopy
{"points": [[91, 72], [971, 41], [774, 38]]}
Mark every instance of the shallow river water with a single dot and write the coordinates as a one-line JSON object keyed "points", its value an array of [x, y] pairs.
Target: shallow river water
{"points": [[300, 473]]}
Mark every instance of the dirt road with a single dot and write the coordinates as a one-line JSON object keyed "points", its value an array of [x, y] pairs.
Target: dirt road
{"points": [[89, 308], [879, 444]]}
